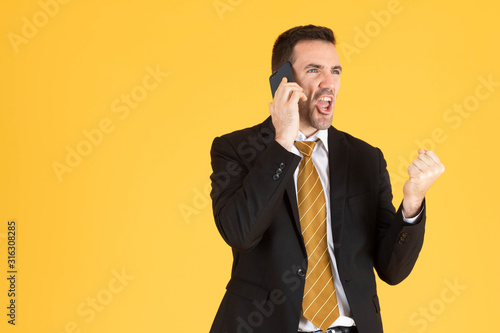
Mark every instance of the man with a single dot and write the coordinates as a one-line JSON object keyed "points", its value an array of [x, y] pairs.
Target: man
{"points": [[294, 184]]}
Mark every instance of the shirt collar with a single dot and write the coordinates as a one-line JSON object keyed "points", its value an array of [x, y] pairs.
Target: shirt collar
{"points": [[321, 135]]}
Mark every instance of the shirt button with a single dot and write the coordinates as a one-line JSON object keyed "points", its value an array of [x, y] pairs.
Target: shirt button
{"points": [[301, 272]]}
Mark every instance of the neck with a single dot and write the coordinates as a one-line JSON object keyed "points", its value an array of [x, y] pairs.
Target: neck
{"points": [[308, 131]]}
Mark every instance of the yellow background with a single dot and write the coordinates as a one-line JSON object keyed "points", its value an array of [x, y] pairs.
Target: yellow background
{"points": [[137, 204]]}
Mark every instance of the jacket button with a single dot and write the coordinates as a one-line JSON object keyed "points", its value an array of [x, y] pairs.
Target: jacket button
{"points": [[282, 165], [276, 177], [301, 272], [279, 170]]}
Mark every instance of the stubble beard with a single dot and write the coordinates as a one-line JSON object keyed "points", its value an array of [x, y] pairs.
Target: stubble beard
{"points": [[309, 118]]}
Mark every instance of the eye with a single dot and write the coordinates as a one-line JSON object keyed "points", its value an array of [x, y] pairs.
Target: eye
{"points": [[336, 71], [312, 70]]}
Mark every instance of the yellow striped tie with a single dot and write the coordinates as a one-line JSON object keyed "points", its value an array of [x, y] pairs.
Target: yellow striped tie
{"points": [[319, 303]]}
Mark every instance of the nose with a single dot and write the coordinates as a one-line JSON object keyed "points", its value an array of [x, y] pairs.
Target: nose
{"points": [[329, 81]]}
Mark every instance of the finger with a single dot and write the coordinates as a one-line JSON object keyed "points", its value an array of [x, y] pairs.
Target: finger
{"points": [[296, 95], [284, 82], [434, 157], [413, 171], [289, 85], [427, 160], [283, 95], [420, 165]]}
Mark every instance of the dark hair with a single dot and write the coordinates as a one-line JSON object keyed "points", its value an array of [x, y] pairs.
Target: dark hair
{"points": [[284, 44]]}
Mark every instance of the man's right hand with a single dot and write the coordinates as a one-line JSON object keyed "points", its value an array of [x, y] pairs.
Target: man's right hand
{"points": [[284, 111]]}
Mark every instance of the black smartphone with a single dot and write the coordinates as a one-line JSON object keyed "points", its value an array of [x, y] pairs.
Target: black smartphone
{"points": [[284, 71]]}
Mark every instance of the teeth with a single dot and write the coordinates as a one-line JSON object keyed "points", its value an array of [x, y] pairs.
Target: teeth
{"points": [[328, 99]]}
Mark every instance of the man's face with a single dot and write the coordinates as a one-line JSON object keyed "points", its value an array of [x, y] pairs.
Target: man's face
{"points": [[317, 70]]}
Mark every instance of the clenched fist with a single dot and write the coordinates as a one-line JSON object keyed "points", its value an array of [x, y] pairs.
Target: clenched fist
{"points": [[423, 172]]}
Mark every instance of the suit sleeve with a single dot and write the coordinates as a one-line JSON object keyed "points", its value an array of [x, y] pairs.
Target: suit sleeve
{"points": [[398, 242], [247, 187]]}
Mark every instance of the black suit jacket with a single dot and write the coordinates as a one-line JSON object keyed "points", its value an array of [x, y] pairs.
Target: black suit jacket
{"points": [[255, 210]]}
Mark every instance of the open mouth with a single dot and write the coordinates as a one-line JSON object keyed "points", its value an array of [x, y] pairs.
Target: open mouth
{"points": [[324, 104]]}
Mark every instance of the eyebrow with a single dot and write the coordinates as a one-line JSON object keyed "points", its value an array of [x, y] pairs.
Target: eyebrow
{"points": [[321, 67]]}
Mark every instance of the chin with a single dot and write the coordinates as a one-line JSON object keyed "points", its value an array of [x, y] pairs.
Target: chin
{"points": [[323, 123]]}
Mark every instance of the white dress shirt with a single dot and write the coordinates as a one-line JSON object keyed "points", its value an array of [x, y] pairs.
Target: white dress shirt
{"points": [[320, 161]]}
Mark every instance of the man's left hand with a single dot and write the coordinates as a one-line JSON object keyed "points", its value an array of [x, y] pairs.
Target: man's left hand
{"points": [[423, 172]]}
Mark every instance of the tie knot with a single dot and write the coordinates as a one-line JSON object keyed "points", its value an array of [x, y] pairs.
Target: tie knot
{"points": [[305, 147]]}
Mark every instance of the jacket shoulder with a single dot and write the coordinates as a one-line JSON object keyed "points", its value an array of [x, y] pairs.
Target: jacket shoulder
{"points": [[258, 136], [244, 144], [263, 130], [354, 142]]}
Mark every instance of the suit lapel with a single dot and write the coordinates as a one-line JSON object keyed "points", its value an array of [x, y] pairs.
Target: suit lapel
{"points": [[338, 159]]}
